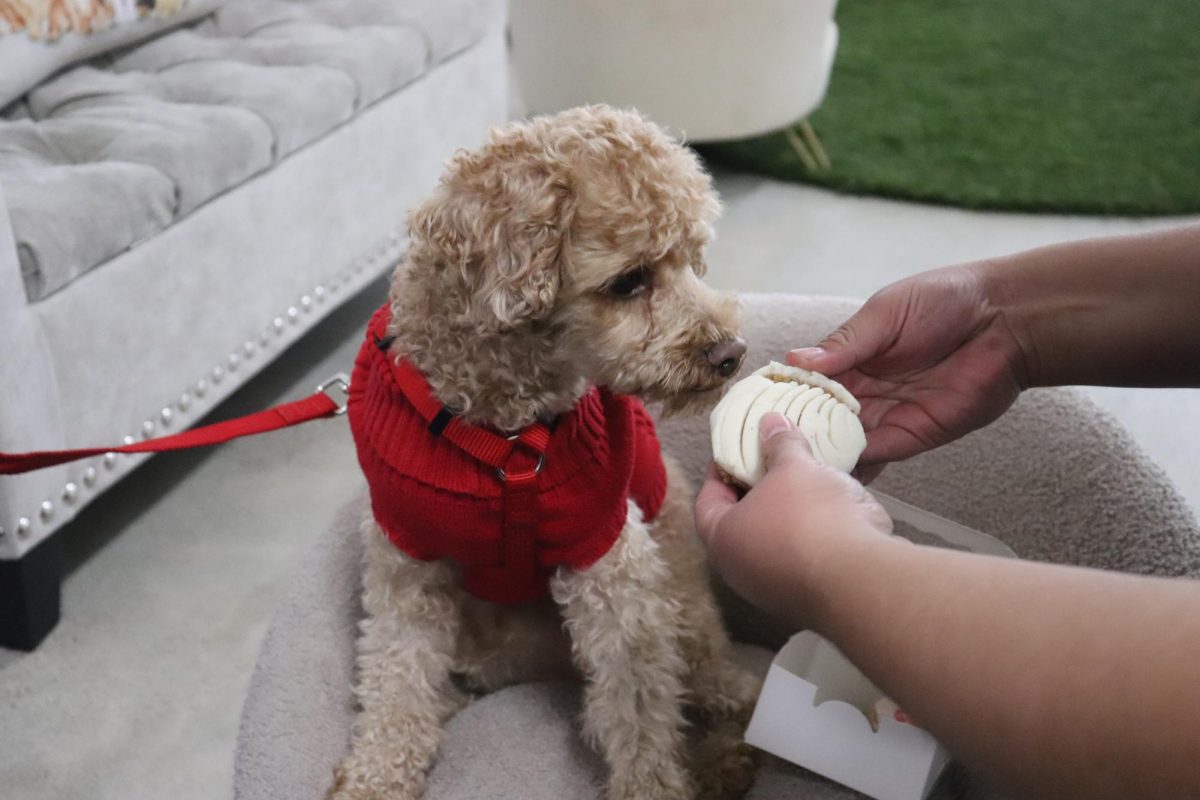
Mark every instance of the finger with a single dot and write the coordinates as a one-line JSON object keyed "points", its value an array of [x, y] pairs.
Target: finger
{"points": [[859, 338], [892, 443], [782, 442], [875, 410], [714, 499], [865, 473]]}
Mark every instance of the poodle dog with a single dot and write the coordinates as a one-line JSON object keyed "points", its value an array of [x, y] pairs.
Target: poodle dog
{"points": [[523, 519]]}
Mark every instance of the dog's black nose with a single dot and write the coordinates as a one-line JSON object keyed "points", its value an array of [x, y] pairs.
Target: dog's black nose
{"points": [[726, 356]]}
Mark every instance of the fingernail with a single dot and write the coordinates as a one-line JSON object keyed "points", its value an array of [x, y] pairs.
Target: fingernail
{"points": [[772, 424], [807, 353]]}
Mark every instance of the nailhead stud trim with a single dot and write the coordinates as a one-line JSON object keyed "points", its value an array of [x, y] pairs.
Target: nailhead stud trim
{"points": [[320, 292]]}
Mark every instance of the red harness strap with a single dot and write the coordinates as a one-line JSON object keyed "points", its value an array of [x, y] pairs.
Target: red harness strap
{"points": [[482, 444], [316, 406], [518, 460]]}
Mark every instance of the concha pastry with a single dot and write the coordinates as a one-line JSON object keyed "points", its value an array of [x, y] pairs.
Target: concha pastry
{"points": [[820, 407]]}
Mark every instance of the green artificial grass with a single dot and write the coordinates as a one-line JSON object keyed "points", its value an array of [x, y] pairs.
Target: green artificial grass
{"points": [[1089, 106]]}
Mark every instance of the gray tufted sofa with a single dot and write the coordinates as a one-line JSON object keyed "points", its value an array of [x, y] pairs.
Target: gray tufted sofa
{"points": [[173, 214]]}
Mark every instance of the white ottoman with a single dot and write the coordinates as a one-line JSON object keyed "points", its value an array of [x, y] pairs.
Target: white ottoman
{"points": [[709, 69]]}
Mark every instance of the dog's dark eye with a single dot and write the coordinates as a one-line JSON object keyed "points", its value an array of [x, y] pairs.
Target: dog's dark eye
{"points": [[630, 284]]}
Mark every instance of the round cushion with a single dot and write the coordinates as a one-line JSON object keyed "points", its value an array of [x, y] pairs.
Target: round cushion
{"points": [[1055, 478]]}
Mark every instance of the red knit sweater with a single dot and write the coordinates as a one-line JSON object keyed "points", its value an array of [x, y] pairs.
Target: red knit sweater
{"points": [[434, 500]]}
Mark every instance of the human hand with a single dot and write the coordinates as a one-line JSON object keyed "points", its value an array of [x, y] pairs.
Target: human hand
{"points": [[930, 358], [779, 546]]}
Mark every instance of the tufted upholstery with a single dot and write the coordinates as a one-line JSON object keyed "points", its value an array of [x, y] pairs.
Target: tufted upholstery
{"points": [[110, 153]]}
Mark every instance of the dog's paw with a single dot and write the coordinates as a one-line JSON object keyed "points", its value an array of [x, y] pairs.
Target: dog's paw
{"points": [[668, 782], [724, 765], [353, 780]]}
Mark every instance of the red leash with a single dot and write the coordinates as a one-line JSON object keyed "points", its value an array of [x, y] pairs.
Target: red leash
{"points": [[328, 401]]}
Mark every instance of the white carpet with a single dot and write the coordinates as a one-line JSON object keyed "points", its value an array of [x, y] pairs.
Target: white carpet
{"points": [[173, 574]]}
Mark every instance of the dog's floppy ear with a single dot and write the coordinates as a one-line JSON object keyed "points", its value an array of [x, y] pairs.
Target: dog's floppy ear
{"points": [[502, 227]]}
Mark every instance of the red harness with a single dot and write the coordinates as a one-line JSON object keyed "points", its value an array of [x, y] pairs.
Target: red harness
{"points": [[507, 510]]}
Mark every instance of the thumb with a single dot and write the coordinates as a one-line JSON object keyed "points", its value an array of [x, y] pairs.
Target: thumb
{"points": [[782, 442], [856, 340]]}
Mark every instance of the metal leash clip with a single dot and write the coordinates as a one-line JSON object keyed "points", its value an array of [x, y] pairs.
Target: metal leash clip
{"points": [[337, 389]]}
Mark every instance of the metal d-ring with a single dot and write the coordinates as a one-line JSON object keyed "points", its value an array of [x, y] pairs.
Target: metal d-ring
{"points": [[537, 470]]}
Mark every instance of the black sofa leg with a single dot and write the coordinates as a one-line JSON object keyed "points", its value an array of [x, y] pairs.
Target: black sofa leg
{"points": [[30, 589]]}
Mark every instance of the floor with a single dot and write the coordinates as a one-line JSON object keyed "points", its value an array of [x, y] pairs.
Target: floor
{"points": [[173, 574]]}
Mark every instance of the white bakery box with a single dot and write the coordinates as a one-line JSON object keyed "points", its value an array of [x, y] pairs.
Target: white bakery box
{"points": [[814, 706]]}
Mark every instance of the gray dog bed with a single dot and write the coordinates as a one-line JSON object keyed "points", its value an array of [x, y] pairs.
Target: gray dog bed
{"points": [[1055, 478]]}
